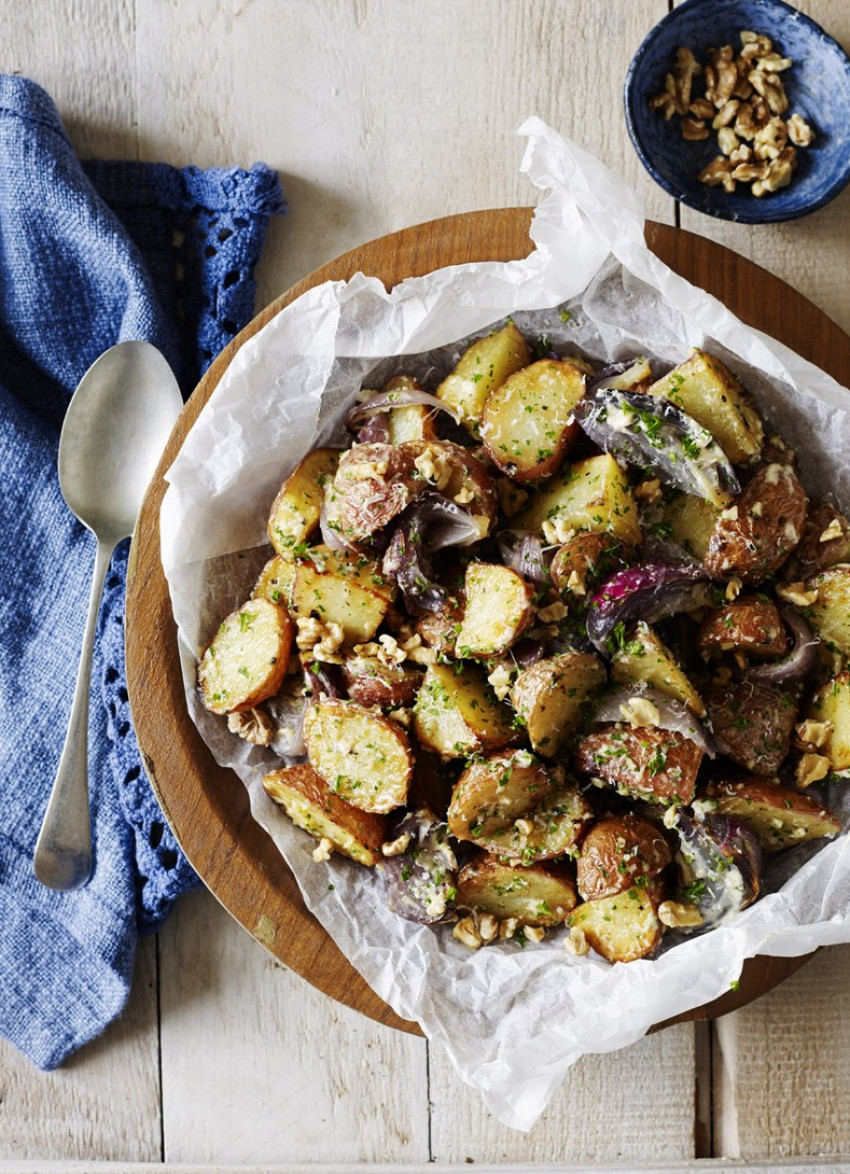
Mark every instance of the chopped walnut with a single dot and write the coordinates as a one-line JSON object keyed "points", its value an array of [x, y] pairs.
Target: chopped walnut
{"points": [[733, 589], [253, 725], [556, 531], [769, 86], [694, 130], [321, 641], [639, 711], [727, 140], [396, 847], [323, 850], [701, 108], [718, 172], [534, 933], [678, 914], [488, 927], [778, 174], [576, 942], [833, 530], [464, 495], [500, 679], [434, 466], [797, 594], [508, 928], [799, 131], [524, 826], [747, 172], [773, 63], [726, 114], [813, 734], [811, 769], [575, 584], [770, 140], [365, 470], [725, 75], [466, 932], [553, 612], [648, 491]]}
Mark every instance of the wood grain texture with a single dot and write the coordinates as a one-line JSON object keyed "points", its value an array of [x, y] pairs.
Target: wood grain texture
{"points": [[104, 1103]]}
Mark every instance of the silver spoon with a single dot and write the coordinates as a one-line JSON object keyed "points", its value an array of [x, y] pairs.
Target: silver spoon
{"points": [[115, 430]]}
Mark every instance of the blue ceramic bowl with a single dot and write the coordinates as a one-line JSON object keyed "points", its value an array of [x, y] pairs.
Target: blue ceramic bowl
{"points": [[818, 87]]}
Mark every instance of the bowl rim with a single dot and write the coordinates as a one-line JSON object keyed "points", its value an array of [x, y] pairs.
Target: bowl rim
{"points": [[762, 214]]}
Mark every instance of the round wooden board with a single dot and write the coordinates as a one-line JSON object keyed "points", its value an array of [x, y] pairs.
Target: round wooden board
{"points": [[207, 806]]}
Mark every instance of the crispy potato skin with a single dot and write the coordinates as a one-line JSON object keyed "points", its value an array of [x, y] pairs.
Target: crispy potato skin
{"points": [[361, 755], [373, 483], [750, 624], [536, 895], [753, 723], [813, 555], [779, 816], [494, 791], [618, 852], [370, 682], [247, 659], [622, 927], [465, 477], [550, 695], [754, 537], [590, 557], [312, 805], [646, 762]]}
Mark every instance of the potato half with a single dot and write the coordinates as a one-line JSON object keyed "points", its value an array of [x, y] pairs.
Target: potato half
{"points": [[829, 615], [498, 609], [483, 366], [457, 714], [645, 659], [339, 587], [592, 494], [247, 659], [623, 927], [361, 756], [296, 509], [619, 852], [550, 697], [493, 792], [779, 816], [312, 805], [534, 896], [829, 708]]}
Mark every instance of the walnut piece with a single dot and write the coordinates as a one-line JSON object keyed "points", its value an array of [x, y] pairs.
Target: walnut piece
{"points": [[253, 725], [676, 914]]}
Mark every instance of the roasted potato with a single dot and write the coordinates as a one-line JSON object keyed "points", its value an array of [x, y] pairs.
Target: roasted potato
{"points": [[581, 564], [592, 494], [439, 629], [533, 896], [617, 853], [361, 756], [336, 586], [456, 713], [550, 698], [420, 868], [312, 805], [825, 542], [498, 608], [389, 686], [706, 389], [645, 762], [779, 816], [623, 927], [688, 522], [373, 483], [296, 509], [826, 730], [645, 659], [409, 421], [275, 580], [750, 624], [458, 474], [494, 791], [753, 723], [247, 659], [528, 425], [482, 367], [829, 615], [548, 831], [754, 536]]}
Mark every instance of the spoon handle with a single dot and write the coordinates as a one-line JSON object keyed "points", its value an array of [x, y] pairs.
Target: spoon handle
{"points": [[63, 852]]}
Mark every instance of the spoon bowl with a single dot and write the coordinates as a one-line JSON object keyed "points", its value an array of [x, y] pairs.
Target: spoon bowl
{"points": [[116, 427]]}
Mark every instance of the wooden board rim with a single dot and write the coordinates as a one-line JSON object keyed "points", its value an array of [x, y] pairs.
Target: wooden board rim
{"points": [[196, 794]]}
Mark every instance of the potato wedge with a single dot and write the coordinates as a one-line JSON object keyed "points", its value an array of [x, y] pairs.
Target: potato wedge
{"points": [[749, 624], [779, 816], [645, 659], [829, 615], [409, 421], [825, 542], [534, 895], [456, 713], [754, 537], [483, 366], [592, 494], [389, 686], [361, 756], [617, 853], [689, 522], [275, 581], [550, 698], [337, 586], [550, 830], [706, 389], [828, 722], [528, 425], [646, 762], [621, 928], [296, 508], [498, 609], [247, 659], [495, 791], [373, 483], [753, 723], [582, 563], [312, 805]]}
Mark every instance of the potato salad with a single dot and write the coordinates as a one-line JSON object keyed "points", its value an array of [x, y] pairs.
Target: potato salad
{"points": [[556, 646]]}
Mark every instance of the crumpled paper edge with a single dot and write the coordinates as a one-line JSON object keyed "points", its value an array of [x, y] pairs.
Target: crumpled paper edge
{"points": [[519, 1070]]}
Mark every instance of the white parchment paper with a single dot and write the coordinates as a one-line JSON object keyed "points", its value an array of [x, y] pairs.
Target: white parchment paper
{"points": [[512, 1020]]}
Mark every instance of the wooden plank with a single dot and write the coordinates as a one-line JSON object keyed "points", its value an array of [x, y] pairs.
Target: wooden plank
{"points": [[256, 1063], [598, 1115], [380, 115], [103, 1103]]}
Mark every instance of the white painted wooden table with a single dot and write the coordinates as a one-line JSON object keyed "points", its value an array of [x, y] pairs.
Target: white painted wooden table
{"points": [[379, 114]]}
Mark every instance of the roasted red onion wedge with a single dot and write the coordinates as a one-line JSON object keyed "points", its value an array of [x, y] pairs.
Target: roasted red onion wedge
{"points": [[523, 552], [654, 433], [385, 401], [800, 660], [719, 861], [430, 523], [421, 870], [667, 713], [646, 592]]}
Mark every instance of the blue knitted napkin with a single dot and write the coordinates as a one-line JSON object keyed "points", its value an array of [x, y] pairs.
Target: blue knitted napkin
{"points": [[90, 254]]}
